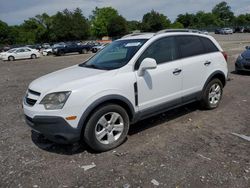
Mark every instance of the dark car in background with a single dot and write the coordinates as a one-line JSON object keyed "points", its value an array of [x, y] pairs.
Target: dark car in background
{"points": [[70, 47], [243, 61]]}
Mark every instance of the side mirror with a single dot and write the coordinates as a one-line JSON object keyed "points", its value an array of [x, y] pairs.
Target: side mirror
{"points": [[147, 63], [248, 47]]}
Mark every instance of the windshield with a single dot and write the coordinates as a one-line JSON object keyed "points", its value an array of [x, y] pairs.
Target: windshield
{"points": [[11, 50], [115, 55]]}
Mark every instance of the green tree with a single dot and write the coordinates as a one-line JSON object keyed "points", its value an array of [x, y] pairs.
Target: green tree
{"points": [[133, 25], [154, 21], [242, 20], [223, 12], [69, 25], [176, 25], [117, 26], [100, 19], [187, 20], [4, 32]]}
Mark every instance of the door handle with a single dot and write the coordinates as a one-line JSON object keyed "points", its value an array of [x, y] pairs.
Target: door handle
{"points": [[207, 63], [177, 71]]}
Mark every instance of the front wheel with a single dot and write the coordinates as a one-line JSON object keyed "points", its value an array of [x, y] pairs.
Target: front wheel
{"points": [[11, 58], [212, 94], [33, 56], [107, 128]]}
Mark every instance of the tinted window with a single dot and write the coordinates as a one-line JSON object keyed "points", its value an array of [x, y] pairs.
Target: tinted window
{"points": [[115, 55], [209, 45], [20, 50], [162, 50], [190, 46]]}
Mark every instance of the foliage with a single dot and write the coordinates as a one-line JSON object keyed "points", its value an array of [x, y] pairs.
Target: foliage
{"points": [[223, 12], [176, 25], [117, 26], [154, 21], [100, 20], [68, 25], [72, 25]]}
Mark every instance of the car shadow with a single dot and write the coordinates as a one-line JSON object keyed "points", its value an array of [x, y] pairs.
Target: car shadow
{"points": [[163, 118], [71, 149], [63, 149], [242, 73]]}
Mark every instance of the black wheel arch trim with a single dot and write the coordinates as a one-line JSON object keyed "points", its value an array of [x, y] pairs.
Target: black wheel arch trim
{"points": [[102, 100], [211, 76]]}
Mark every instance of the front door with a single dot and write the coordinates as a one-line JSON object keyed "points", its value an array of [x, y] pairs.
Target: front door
{"points": [[161, 87]]}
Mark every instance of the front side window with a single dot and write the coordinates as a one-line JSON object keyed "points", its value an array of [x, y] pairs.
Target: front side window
{"points": [[115, 55], [162, 50], [190, 46], [20, 51]]}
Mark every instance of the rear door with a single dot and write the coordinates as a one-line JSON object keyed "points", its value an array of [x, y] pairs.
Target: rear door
{"points": [[196, 64]]}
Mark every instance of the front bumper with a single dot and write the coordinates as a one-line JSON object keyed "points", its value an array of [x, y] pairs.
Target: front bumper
{"points": [[54, 128], [242, 66]]}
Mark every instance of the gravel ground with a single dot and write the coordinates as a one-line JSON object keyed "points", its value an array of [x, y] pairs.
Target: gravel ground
{"points": [[185, 147]]}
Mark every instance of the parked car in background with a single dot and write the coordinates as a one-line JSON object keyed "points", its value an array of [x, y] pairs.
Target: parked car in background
{"points": [[20, 53], [98, 47], [217, 31], [239, 30], [204, 32], [70, 47], [47, 51], [243, 61], [35, 46], [226, 31]]}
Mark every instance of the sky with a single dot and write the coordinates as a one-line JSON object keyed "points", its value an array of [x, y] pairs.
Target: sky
{"points": [[14, 12]]}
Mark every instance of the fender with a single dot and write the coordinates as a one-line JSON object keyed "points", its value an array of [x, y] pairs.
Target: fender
{"points": [[210, 77], [101, 100]]}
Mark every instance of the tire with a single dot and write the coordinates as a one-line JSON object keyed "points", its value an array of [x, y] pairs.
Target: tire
{"points": [[60, 53], [212, 94], [49, 53], [11, 58], [111, 134], [33, 56], [84, 51]]}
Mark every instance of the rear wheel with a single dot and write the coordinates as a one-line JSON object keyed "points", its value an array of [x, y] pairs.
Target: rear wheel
{"points": [[107, 127], [11, 58], [33, 56], [60, 53], [84, 51], [212, 94]]}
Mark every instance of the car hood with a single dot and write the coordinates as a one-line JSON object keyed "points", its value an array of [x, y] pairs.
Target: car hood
{"points": [[68, 78], [246, 54]]}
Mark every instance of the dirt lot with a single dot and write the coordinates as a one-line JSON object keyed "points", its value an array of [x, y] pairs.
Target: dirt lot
{"points": [[186, 147]]}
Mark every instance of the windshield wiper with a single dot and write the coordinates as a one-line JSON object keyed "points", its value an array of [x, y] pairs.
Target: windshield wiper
{"points": [[88, 66]]}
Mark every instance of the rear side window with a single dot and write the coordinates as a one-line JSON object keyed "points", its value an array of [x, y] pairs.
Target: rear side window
{"points": [[209, 45], [162, 50], [190, 46]]}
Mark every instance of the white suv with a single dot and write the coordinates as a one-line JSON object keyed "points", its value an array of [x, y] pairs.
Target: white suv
{"points": [[133, 78]]}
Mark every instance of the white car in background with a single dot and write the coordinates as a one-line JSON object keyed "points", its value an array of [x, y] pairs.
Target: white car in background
{"points": [[226, 31], [47, 51], [20, 53]]}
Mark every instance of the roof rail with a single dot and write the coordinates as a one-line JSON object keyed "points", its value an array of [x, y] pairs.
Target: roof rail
{"points": [[177, 30], [134, 34]]}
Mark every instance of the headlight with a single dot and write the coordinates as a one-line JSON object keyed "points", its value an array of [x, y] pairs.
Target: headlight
{"points": [[56, 100], [55, 49]]}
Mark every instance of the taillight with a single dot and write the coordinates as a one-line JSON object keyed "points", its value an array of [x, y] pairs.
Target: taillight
{"points": [[225, 55]]}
